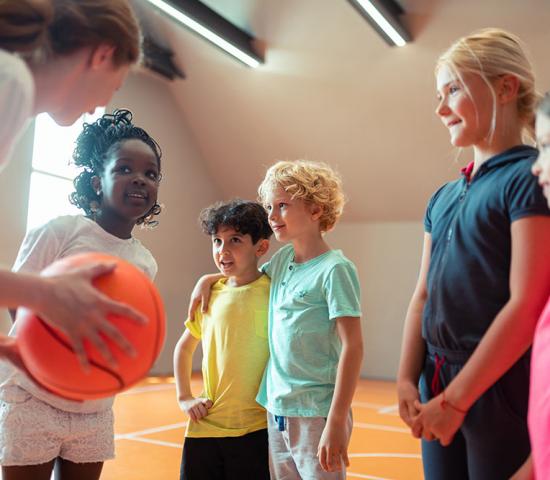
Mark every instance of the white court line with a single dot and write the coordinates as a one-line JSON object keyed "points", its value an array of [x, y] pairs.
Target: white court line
{"points": [[361, 475], [386, 428], [349, 474], [148, 431], [138, 434], [156, 442], [351, 455], [385, 455], [382, 409], [379, 455], [149, 388], [173, 426], [389, 409], [373, 406]]}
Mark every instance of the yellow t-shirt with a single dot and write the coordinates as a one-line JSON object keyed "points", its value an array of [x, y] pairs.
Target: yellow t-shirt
{"points": [[233, 334]]}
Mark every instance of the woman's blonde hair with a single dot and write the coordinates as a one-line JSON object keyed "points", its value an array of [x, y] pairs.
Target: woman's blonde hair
{"points": [[491, 53], [34, 28], [312, 182]]}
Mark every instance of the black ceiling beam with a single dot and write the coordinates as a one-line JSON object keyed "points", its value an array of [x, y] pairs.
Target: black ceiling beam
{"points": [[214, 22], [391, 11], [160, 60]]}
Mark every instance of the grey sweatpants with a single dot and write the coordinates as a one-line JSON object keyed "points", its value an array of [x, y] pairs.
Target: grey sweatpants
{"points": [[293, 451]]}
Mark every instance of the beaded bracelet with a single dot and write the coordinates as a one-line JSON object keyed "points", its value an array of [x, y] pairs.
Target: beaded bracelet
{"points": [[444, 403]]}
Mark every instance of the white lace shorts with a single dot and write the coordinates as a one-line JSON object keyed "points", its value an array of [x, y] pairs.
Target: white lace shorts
{"points": [[33, 432]]}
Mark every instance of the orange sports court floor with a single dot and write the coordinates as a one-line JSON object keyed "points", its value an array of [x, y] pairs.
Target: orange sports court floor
{"points": [[150, 427]]}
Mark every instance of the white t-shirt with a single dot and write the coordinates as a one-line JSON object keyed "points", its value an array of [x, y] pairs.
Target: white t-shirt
{"points": [[16, 101], [59, 238]]}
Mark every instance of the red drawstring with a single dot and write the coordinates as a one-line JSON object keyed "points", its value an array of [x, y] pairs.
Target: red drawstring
{"points": [[436, 382], [467, 171]]}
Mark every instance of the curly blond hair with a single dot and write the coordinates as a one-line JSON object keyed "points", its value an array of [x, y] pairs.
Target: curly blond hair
{"points": [[313, 182]]}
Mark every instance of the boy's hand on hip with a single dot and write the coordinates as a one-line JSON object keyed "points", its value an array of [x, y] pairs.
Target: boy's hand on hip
{"points": [[333, 448], [195, 408]]}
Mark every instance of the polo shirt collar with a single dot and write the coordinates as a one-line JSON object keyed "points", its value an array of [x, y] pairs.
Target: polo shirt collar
{"points": [[511, 155]]}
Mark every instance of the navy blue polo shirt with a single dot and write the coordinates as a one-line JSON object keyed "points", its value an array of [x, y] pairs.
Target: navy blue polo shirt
{"points": [[470, 227]]}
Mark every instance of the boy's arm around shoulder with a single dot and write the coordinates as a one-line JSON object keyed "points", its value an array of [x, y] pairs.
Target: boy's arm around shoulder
{"points": [[195, 408], [201, 293], [333, 445]]}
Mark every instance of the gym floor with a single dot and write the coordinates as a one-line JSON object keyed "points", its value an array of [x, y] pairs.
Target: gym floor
{"points": [[150, 429]]}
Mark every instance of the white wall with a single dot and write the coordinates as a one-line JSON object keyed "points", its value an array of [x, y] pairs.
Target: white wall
{"points": [[387, 256]]}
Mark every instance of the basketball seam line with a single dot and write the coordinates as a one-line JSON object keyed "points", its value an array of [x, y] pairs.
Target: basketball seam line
{"points": [[52, 332]]}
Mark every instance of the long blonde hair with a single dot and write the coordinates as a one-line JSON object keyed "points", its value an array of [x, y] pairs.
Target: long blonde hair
{"points": [[491, 53], [61, 27]]}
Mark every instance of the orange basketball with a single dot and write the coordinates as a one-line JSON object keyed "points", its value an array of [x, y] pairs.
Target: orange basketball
{"points": [[48, 355]]}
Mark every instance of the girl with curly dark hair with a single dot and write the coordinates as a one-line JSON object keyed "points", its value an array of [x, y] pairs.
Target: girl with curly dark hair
{"points": [[104, 148], [117, 189]]}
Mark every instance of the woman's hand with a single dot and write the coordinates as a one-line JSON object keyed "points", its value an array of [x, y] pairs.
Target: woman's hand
{"points": [[70, 303]]}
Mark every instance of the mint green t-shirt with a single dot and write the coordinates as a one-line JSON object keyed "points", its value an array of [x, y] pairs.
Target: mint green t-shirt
{"points": [[304, 346]]}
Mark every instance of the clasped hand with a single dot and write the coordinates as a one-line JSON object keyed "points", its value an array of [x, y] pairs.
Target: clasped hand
{"points": [[433, 421]]}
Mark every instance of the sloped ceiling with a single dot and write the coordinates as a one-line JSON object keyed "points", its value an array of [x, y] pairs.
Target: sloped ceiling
{"points": [[331, 90]]}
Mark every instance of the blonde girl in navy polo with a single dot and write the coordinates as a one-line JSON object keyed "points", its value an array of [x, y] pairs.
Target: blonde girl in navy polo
{"points": [[484, 275]]}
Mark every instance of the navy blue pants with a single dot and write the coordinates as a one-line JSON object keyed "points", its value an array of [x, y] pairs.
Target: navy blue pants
{"points": [[493, 441], [226, 458]]}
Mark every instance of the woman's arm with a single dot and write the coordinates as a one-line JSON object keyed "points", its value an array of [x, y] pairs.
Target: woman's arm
{"points": [[413, 347], [57, 298]]}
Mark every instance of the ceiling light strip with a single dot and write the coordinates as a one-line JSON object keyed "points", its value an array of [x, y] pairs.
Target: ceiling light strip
{"points": [[381, 21], [204, 32]]}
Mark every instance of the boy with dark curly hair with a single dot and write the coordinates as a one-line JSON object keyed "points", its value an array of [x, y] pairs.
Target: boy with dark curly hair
{"points": [[227, 433]]}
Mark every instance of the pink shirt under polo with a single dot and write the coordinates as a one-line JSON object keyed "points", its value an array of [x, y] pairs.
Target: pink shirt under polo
{"points": [[539, 397]]}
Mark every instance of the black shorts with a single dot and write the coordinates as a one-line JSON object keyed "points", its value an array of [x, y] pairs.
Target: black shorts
{"points": [[226, 458]]}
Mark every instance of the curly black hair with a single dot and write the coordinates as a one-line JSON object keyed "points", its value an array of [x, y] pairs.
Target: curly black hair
{"points": [[94, 144], [244, 216]]}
